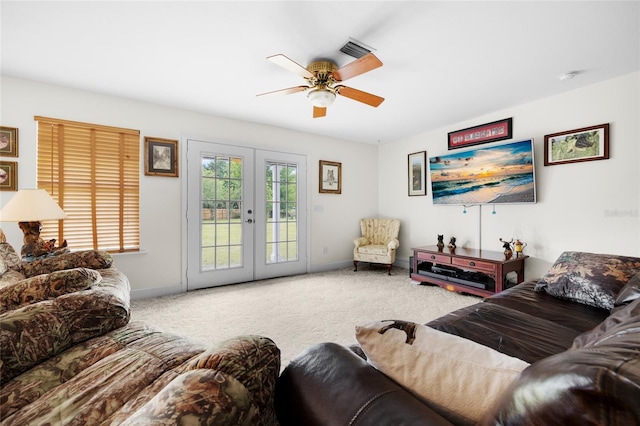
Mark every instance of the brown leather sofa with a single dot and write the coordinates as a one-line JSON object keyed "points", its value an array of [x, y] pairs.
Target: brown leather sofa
{"points": [[585, 359]]}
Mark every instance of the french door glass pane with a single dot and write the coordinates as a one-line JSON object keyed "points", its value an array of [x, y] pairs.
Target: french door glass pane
{"points": [[282, 220], [221, 226]]}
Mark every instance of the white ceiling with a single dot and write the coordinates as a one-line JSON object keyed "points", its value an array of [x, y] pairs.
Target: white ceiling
{"points": [[444, 62]]}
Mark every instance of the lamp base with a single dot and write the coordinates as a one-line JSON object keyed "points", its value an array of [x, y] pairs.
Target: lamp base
{"points": [[34, 246]]}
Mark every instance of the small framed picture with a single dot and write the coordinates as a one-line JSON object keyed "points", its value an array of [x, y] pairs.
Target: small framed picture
{"points": [[417, 173], [160, 157], [8, 142], [330, 177], [8, 176], [572, 146]]}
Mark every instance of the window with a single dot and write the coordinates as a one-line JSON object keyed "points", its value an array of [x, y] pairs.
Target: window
{"points": [[93, 172]]}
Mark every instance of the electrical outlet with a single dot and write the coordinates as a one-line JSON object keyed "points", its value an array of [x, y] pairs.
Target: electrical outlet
{"points": [[325, 250]]}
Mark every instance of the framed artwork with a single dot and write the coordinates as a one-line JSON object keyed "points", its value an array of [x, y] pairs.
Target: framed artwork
{"points": [[417, 173], [160, 157], [330, 177], [490, 132], [8, 141], [572, 146], [8, 176]]}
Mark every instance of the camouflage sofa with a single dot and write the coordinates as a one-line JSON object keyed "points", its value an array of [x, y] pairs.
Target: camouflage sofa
{"points": [[69, 355]]}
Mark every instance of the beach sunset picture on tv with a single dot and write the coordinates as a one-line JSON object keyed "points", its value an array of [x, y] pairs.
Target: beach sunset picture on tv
{"points": [[493, 175]]}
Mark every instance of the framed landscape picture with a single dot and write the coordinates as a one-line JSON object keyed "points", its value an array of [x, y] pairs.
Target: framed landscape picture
{"points": [[160, 157], [417, 169], [585, 144]]}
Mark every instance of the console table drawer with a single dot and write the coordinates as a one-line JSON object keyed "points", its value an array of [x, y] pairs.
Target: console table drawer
{"points": [[475, 264], [432, 257]]}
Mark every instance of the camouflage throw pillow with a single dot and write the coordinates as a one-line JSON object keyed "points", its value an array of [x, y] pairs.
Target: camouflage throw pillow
{"points": [[588, 278]]}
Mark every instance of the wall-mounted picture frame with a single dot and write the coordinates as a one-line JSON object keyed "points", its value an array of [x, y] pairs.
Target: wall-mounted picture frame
{"points": [[417, 172], [8, 141], [8, 176], [330, 177], [485, 133], [160, 157], [572, 146]]}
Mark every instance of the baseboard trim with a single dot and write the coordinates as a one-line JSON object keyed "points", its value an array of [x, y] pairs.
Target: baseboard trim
{"points": [[147, 293]]}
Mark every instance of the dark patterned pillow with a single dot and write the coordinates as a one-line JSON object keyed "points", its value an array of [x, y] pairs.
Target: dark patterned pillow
{"points": [[588, 278], [91, 259]]}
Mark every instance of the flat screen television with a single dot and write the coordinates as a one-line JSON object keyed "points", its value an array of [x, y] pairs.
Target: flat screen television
{"points": [[498, 174]]}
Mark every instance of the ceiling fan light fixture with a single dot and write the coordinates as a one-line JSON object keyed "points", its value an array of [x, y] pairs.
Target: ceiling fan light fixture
{"points": [[321, 97]]}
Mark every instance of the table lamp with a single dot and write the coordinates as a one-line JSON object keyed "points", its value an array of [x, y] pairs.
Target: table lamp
{"points": [[28, 207]]}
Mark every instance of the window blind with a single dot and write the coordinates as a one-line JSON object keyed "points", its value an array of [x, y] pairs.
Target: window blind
{"points": [[93, 172]]}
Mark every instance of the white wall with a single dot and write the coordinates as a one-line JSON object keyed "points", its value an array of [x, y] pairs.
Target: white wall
{"points": [[334, 219], [587, 206]]}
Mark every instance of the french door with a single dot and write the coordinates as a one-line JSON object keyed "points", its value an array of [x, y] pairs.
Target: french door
{"points": [[246, 214]]}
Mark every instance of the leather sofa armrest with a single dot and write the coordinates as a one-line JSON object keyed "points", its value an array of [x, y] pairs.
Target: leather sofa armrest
{"points": [[329, 385]]}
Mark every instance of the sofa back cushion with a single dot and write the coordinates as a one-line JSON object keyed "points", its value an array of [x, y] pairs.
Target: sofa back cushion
{"points": [[598, 383], [33, 333], [592, 279]]}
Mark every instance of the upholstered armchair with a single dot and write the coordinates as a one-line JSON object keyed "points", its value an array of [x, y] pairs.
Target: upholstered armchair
{"points": [[378, 243]]}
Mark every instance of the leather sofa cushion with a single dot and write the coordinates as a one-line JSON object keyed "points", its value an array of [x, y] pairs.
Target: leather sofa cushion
{"points": [[630, 292], [507, 330], [597, 384], [618, 320], [525, 299]]}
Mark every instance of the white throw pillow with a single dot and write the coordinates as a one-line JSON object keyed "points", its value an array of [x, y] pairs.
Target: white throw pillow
{"points": [[458, 376]]}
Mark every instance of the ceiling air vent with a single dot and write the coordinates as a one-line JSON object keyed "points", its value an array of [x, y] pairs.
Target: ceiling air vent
{"points": [[355, 48]]}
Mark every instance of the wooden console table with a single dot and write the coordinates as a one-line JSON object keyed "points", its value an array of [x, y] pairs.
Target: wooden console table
{"points": [[479, 272]]}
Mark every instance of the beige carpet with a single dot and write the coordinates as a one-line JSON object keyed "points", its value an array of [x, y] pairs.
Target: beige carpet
{"points": [[299, 311]]}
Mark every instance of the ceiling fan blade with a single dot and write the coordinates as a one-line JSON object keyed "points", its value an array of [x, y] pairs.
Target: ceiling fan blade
{"points": [[290, 65], [288, 91], [360, 96], [361, 65], [319, 112]]}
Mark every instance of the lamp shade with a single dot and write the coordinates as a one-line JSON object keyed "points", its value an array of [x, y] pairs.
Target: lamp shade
{"points": [[31, 205]]}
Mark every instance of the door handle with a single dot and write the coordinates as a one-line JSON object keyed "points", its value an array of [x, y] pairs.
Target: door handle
{"points": [[249, 220]]}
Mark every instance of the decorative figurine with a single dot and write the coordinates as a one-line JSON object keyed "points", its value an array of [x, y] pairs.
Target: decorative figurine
{"points": [[452, 243], [506, 245], [440, 241], [518, 247]]}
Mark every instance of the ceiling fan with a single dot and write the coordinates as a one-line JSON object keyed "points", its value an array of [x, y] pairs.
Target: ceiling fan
{"points": [[323, 78]]}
